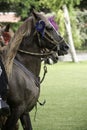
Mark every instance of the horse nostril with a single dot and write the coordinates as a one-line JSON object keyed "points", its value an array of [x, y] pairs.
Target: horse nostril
{"points": [[67, 47], [56, 58]]}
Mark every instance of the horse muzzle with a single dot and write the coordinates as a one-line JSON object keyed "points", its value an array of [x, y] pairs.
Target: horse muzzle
{"points": [[63, 49]]}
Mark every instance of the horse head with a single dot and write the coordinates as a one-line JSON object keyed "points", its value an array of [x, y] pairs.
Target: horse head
{"points": [[47, 34]]}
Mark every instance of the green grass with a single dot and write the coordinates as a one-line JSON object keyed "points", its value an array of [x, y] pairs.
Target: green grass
{"points": [[65, 91]]}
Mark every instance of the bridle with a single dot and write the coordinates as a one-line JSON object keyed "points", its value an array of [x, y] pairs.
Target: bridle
{"points": [[53, 41]]}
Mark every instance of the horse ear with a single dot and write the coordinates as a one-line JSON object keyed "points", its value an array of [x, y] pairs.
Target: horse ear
{"points": [[7, 28], [35, 13]]}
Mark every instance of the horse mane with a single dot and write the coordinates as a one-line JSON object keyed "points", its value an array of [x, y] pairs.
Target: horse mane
{"points": [[24, 30]]}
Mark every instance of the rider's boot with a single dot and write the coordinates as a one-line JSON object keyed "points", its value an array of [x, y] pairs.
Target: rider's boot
{"points": [[4, 107]]}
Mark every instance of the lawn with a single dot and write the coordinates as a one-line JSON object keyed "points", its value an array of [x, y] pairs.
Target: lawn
{"points": [[65, 92]]}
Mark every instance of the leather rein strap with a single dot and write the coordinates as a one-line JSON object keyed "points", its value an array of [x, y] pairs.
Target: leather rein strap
{"points": [[36, 54]]}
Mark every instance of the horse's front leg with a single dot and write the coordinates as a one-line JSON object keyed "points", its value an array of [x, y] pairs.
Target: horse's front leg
{"points": [[12, 119], [25, 121]]}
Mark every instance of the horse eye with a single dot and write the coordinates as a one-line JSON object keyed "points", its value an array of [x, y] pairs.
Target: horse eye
{"points": [[49, 28]]}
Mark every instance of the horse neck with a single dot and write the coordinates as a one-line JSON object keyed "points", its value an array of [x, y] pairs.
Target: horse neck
{"points": [[32, 63]]}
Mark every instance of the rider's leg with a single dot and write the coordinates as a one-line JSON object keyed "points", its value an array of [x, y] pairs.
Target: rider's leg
{"points": [[4, 107]]}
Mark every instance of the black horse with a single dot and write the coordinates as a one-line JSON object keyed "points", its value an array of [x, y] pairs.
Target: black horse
{"points": [[24, 82]]}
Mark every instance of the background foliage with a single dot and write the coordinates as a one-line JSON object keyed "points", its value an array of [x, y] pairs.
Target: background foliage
{"points": [[77, 12]]}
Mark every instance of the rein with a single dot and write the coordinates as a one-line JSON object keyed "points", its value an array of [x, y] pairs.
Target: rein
{"points": [[45, 71], [35, 54]]}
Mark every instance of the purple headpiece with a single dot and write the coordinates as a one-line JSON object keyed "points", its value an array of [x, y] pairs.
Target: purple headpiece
{"points": [[51, 20], [40, 26]]}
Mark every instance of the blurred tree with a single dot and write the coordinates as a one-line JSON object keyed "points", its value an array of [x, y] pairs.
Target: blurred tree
{"points": [[21, 7], [57, 4], [82, 25], [82, 5]]}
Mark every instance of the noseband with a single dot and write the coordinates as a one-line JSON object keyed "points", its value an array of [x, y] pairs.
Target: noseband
{"points": [[53, 41]]}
